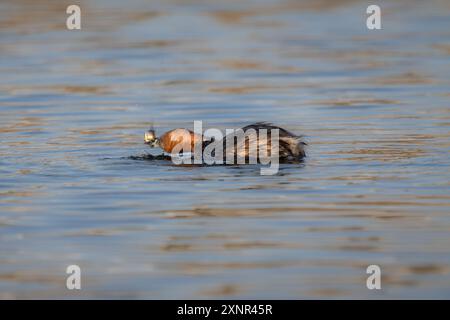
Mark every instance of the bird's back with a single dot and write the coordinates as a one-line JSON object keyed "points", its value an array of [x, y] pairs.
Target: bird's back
{"points": [[255, 143]]}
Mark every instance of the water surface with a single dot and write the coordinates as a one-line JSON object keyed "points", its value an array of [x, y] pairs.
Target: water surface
{"points": [[374, 107]]}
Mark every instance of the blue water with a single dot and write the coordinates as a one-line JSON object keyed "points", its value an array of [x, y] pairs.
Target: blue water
{"points": [[374, 107]]}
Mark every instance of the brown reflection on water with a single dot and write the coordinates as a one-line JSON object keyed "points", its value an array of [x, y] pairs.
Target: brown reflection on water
{"points": [[23, 124], [409, 78], [223, 290], [236, 17], [356, 102], [445, 48], [385, 154], [240, 90], [28, 16], [76, 89]]}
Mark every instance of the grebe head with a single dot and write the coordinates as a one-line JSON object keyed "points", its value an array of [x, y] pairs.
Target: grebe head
{"points": [[151, 139]]}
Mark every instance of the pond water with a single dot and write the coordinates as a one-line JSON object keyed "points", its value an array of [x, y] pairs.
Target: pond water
{"points": [[373, 105]]}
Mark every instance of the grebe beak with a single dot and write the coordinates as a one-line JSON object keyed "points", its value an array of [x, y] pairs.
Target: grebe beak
{"points": [[151, 139]]}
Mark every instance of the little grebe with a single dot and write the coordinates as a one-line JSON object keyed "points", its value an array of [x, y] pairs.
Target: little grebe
{"points": [[290, 146]]}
